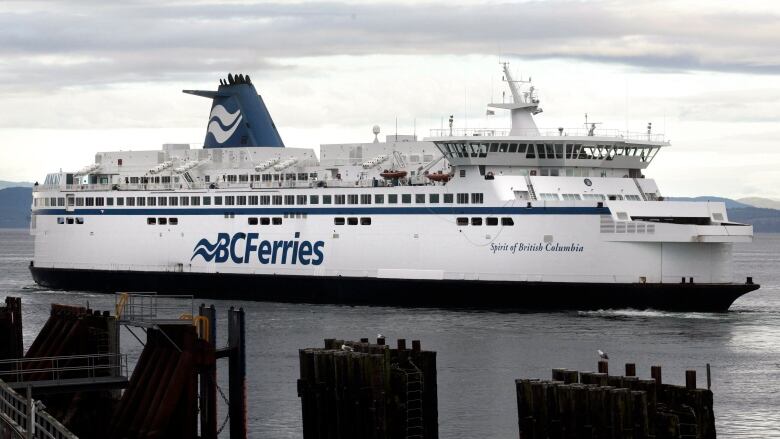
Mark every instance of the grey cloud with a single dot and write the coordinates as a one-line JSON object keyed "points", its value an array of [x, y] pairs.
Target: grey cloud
{"points": [[141, 41]]}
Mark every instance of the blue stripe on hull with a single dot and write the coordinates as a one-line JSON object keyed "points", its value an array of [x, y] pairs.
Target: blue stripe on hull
{"points": [[335, 211]]}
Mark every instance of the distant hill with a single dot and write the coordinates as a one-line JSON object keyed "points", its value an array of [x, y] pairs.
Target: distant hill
{"points": [[15, 207], [763, 220], [766, 203], [4, 184], [730, 204]]}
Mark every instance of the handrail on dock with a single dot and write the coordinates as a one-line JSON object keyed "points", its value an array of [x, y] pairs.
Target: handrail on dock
{"points": [[16, 411], [53, 368], [149, 309]]}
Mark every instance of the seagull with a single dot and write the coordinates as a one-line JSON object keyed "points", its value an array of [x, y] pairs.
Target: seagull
{"points": [[347, 348], [380, 336], [603, 354]]}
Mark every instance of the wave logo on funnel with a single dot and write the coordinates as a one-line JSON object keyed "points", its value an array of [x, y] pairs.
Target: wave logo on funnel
{"points": [[207, 250], [222, 123]]}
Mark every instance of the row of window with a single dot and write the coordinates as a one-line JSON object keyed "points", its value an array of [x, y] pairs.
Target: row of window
{"points": [[265, 221], [70, 220], [352, 221], [572, 197], [162, 221], [549, 150], [489, 221], [262, 200]]}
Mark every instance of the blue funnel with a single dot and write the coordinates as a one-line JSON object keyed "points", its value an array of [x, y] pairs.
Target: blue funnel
{"points": [[238, 116]]}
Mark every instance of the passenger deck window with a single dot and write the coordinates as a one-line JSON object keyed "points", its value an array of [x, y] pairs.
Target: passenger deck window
{"points": [[338, 221], [352, 199], [326, 199], [365, 199], [314, 199], [352, 221], [477, 198], [463, 221], [433, 198], [491, 221], [506, 221], [252, 221], [379, 199], [277, 221], [476, 221], [340, 199], [365, 221], [448, 198], [406, 198], [392, 199], [419, 198], [463, 198]]}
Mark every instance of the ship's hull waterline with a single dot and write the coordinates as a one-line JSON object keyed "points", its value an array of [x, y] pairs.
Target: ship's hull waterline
{"points": [[496, 295]]}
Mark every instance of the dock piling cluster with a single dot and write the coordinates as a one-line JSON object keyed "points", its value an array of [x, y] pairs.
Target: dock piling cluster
{"points": [[598, 405], [365, 390]]}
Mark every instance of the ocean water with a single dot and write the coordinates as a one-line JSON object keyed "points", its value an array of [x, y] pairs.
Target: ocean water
{"points": [[481, 353]]}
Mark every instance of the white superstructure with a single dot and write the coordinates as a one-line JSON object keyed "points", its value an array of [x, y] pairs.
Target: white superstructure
{"points": [[528, 217]]}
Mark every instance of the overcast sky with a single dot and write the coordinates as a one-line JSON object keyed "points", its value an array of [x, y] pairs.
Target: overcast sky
{"points": [[82, 76]]}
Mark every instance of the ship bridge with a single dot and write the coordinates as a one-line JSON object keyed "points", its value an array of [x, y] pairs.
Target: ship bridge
{"points": [[571, 148]]}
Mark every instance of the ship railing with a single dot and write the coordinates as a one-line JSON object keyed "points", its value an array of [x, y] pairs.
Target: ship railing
{"points": [[16, 412], [548, 132]]}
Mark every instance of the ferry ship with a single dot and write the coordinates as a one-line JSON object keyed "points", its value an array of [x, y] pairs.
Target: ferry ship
{"points": [[521, 218]]}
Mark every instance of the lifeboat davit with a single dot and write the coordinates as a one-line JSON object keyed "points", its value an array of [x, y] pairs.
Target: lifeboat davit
{"points": [[441, 177], [393, 174]]}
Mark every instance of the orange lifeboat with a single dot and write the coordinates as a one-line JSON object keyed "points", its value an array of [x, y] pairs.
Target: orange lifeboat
{"points": [[393, 174], [439, 176]]}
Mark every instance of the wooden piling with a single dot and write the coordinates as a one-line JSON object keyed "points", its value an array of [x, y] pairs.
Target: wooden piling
{"points": [[237, 371], [690, 379], [655, 373], [630, 369], [603, 366]]}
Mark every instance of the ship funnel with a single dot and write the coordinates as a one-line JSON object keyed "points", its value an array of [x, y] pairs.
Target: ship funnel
{"points": [[238, 116]]}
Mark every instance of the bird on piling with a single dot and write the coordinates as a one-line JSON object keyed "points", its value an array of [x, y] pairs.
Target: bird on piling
{"points": [[347, 348], [378, 336], [603, 355]]}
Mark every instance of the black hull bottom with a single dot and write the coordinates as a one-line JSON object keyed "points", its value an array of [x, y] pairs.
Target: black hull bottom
{"points": [[401, 292]]}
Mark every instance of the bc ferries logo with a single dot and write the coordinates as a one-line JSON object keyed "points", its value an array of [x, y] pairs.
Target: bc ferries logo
{"points": [[223, 123], [243, 248]]}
